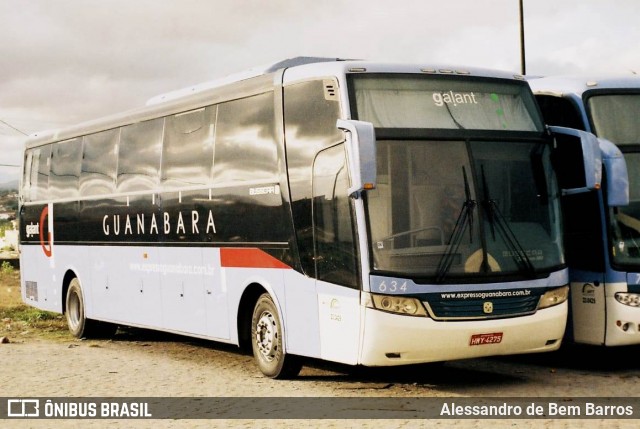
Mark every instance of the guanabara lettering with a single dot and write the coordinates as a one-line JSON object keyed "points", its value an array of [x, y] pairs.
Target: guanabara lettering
{"points": [[145, 224]]}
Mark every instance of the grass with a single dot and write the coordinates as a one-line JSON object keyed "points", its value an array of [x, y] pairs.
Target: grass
{"points": [[18, 320]]}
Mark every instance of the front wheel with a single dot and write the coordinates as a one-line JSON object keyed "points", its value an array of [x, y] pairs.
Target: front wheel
{"points": [[78, 324], [267, 344]]}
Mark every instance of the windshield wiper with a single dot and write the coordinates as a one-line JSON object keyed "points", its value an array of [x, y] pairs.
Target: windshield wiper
{"points": [[497, 221], [455, 121], [465, 219]]}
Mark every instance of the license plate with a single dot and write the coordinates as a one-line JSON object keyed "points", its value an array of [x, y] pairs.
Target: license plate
{"points": [[481, 339]]}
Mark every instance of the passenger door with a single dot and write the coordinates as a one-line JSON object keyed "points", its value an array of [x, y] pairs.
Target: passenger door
{"points": [[585, 254], [336, 258]]}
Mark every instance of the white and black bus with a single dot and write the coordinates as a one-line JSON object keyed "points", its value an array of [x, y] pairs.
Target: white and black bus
{"points": [[356, 212]]}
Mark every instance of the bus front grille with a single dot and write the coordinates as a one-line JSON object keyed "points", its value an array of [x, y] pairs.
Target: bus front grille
{"points": [[466, 309]]}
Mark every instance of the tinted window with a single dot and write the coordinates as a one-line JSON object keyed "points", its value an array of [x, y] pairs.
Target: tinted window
{"points": [[334, 231], [310, 116], [311, 110], [245, 147], [188, 148], [99, 163], [139, 156], [40, 173], [65, 169], [28, 175], [560, 112]]}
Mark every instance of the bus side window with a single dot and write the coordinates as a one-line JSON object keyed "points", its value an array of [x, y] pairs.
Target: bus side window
{"points": [[245, 147], [40, 173], [99, 163], [560, 112], [139, 156], [187, 156], [35, 179], [65, 169], [28, 175]]}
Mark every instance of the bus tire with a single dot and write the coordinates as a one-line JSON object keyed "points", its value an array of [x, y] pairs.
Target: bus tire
{"points": [[79, 325], [267, 344]]}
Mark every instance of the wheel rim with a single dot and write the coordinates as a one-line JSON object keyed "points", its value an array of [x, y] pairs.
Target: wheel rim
{"points": [[267, 336], [73, 311]]}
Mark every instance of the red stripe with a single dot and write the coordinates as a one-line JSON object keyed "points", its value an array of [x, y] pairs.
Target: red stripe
{"points": [[248, 258]]}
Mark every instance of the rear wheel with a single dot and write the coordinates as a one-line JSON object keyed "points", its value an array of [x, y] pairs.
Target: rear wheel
{"points": [[78, 324], [267, 344]]}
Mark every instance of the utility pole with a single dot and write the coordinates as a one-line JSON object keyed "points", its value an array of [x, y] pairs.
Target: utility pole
{"points": [[523, 65]]}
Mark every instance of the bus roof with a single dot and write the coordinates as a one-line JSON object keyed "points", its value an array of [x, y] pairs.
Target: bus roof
{"points": [[238, 77], [245, 83], [577, 85]]}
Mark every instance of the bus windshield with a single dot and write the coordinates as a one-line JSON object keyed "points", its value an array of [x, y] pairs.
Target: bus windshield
{"points": [[409, 101], [615, 118], [450, 209]]}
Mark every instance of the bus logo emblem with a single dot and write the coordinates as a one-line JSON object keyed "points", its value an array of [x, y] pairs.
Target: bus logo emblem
{"points": [[487, 307], [45, 239]]}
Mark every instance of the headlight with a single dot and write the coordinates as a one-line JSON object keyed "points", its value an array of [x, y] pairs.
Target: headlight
{"points": [[395, 304], [554, 297], [630, 299]]}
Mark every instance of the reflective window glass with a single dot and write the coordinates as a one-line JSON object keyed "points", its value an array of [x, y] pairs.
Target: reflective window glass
{"points": [[139, 156], [40, 173], [334, 231], [245, 147], [99, 163], [65, 169], [311, 110], [27, 174], [188, 148]]}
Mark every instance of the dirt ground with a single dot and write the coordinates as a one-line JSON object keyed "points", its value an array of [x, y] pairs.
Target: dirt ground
{"points": [[139, 363], [144, 364]]}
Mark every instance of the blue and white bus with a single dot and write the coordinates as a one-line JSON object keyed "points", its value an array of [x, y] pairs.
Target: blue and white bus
{"points": [[357, 212], [602, 227]]}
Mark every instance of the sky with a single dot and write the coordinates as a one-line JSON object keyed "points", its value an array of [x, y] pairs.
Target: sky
{"points": [[67, 61]]}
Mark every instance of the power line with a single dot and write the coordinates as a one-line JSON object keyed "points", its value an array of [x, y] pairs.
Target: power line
{"points": [[13, 128], [9, 165]]}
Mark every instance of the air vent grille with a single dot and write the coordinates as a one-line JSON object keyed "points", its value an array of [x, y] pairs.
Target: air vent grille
{"points": [[330, 90]]}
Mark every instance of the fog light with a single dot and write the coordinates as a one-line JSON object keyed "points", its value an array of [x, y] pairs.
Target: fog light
{"points": [[630, 299]]}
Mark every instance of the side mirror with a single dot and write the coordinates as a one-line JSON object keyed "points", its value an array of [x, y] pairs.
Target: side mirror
{"points": [[361, 155], [617, 175], [577, 160]]}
